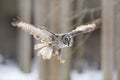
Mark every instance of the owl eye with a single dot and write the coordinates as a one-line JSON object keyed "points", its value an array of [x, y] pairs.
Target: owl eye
{"points": [[66, 39]]}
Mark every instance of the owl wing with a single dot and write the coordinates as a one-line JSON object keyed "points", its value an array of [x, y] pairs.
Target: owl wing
{"points": [[37, 32], [86, 28]]}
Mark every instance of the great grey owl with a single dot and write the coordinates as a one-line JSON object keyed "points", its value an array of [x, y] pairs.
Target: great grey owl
{"points": [[51, 43]]}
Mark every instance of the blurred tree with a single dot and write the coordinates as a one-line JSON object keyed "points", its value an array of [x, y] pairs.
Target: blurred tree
{"points": [[118, 38], [23, 39], [108, 36], [83, 52], [66, 23], [55, 27], [40, 17]]}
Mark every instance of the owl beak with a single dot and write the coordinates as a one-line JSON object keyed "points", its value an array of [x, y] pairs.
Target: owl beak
{"points": [[68, 43]]}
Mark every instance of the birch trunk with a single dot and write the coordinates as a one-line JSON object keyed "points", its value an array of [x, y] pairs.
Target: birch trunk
{"points": [[40, 14], [55, 27], [60, 21], [23, 39], [66, 25], [118, 39], [108, 32]]}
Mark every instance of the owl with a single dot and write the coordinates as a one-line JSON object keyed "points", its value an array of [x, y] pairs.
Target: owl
{"points": [[52, 43]]}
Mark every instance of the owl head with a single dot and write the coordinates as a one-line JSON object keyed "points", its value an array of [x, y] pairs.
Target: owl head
{"points": [[67, 39]]}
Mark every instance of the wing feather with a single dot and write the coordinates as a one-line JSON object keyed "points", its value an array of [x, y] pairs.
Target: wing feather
{"points": [[86, 28], [38, 33]]}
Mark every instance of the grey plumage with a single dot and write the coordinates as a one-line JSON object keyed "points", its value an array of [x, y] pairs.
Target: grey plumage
{"points": [[51, 43]]}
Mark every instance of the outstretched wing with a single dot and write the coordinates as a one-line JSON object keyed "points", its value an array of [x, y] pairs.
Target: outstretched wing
{"points": [[86, 28], [37, 32]]}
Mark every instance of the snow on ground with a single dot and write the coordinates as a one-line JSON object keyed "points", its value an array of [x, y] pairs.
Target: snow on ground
{"points": [[86, 75], [90, 75], [11, 71]]}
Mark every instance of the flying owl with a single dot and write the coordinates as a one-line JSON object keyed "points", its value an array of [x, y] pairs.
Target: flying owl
{"points": [[51, 43]]}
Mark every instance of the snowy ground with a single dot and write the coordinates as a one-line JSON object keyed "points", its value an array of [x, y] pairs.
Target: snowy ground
{"points": [[86, 75], [10, 71]]}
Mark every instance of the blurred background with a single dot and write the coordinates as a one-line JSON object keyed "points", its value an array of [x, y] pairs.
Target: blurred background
{"points": [[94, 56]]}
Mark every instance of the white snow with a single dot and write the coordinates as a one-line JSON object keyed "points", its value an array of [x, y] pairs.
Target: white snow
{"points": [[90, 75], [11, 71], [86, 75]]}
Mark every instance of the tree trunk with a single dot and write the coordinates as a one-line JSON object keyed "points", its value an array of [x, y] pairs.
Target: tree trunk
{"points": [[60, 21], [108, 36], [55, 27], [40, 14], [66, 26], [78, 48], [23, 39], [118, 39]]}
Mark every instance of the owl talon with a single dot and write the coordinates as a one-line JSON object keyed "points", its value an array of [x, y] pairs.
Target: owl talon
{"points": [[62, 61], [44, 57], [53, 54]]}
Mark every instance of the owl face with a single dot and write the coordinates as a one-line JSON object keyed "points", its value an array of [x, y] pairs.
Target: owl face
{"points": [[67, 39]]}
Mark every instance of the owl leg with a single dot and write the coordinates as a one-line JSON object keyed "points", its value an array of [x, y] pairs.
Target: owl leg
{"points": [[59, 56], [53, 53]]}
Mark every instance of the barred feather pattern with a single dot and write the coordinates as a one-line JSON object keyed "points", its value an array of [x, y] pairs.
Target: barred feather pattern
{"points": [[29, 28], [45, 50], [86, 28]]}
